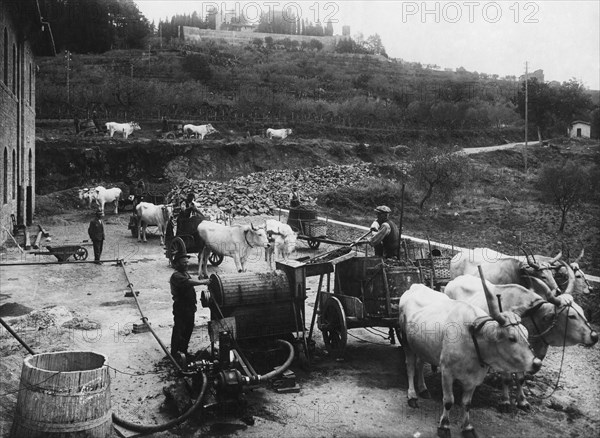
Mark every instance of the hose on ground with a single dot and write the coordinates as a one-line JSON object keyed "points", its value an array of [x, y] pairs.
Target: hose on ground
{"points": [[279, 370], [170, 424]]}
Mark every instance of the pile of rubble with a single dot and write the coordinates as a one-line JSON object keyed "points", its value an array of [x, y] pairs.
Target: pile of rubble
{"points": [[261, 192]]}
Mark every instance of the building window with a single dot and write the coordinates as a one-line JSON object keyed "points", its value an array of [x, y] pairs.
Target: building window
{"points": [[14, 69], [30, 82], [14, 175], [5, 179], [5, 57]]}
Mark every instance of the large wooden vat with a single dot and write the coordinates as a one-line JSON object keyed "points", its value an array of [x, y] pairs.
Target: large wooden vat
{"points": [[63, 394], [262, 304]]}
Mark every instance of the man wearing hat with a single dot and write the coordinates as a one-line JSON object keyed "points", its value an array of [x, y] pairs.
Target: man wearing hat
{"points": [[96, 233], [386, 240], [295, 201], [184, 305]]}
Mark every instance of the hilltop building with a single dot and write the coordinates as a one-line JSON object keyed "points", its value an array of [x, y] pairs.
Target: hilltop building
{"points": [[23, 35], [538, 74]]}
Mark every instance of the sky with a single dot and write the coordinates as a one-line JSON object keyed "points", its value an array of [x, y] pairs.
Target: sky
{"points": [[496, 37]]}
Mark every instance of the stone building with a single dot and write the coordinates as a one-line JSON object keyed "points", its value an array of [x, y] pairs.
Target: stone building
{"points": [[580, 129], [23, 35]]}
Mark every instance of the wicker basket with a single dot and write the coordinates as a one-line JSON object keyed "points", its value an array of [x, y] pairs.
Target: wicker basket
{"points": [[315, 228], [441, 267]]}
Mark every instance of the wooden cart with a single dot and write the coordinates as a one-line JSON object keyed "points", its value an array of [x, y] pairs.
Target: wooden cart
{"points": [[63, 253], [309, 228], [366, 293], [186, 239]]}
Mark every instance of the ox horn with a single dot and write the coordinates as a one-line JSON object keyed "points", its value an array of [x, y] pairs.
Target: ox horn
{"points": [[580, 256], [530, 258], [556, 258], [571, 274], [491, 300]]}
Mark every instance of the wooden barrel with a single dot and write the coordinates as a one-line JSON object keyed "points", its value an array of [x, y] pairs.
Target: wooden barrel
{"points": [[63, 394]]}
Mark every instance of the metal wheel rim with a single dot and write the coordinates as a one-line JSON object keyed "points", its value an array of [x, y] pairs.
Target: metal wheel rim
{"points": [[333, 327], [80, 254], [177, 245], [215, 259]]}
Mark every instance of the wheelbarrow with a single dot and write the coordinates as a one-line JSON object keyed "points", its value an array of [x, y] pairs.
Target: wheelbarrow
{"points": [[62, 253]]}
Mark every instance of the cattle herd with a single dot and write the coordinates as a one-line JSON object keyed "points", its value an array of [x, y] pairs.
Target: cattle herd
{"points": [[498, 312], [189, 130]]}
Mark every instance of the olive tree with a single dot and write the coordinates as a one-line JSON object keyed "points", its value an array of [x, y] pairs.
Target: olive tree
{"points": [[438, 169], [565, 185]]}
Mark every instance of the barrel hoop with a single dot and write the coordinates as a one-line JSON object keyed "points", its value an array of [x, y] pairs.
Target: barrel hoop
{"points": [[62, 392], [43, 426]]}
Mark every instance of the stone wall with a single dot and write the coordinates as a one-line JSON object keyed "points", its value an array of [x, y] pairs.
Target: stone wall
{"points": [[195, 35]]}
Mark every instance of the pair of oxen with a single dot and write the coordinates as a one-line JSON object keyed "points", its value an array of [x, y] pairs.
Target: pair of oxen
{"points": [[498, 313]]}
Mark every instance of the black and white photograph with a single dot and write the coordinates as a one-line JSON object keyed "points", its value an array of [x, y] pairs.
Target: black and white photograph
{"points": [[302, 219]]}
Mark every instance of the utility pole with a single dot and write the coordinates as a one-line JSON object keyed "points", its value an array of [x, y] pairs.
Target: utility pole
{"points": [[68, 59], [526, 102], [526, 116]]}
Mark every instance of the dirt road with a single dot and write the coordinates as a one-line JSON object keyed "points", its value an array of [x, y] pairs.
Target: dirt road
{"points": [[362, 396]]}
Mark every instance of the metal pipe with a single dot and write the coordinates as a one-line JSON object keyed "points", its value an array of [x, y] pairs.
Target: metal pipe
{"points": [[57, 263], [16, 336], [145, 320]]}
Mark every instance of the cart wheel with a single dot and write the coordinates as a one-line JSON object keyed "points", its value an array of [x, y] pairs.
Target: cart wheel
{"points": [[80, 254], [177, 246], [313, 243], [333, 327], [170, 136], [215, 259], [88, 133]]}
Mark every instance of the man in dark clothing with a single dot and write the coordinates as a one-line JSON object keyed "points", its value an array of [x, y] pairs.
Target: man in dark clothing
{"points": [[386, 240], [96, 233], [184, 305]]}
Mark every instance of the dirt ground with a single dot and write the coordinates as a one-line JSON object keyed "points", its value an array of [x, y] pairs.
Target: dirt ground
{"points": [[361, 396]]}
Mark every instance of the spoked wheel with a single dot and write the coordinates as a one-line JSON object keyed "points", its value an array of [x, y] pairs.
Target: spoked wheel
{"points": [[170, 135], [177, 246], [313, 243], [333, 326], [215, 259], [80, 254]]}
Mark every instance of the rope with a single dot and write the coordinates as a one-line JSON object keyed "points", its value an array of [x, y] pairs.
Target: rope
{"points": [[29, 386], [130, 374], [561, 360], [364, 340]]}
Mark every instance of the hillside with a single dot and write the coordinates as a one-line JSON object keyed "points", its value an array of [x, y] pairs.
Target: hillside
{"points": [[498, 206], [255, 86]]}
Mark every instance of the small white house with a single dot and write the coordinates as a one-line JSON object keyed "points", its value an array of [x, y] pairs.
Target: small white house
{"points": [[580, 129]]}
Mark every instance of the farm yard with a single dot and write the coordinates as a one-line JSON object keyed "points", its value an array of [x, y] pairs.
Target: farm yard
{"points": [[183, 128], [83, 307]]}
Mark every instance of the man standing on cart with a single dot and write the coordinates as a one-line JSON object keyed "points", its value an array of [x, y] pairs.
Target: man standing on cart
{"points": [[386, 241]]}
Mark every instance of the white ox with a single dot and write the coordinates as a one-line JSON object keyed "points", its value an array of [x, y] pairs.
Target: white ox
{"points": [[199, 131], [464, 341], [87, 195], [104, 196], [557, 323], [568, 275], [235, 241], [149, 214], [569, 272], [125, 128], [502, 269], [282, 238], [278, 133]]}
